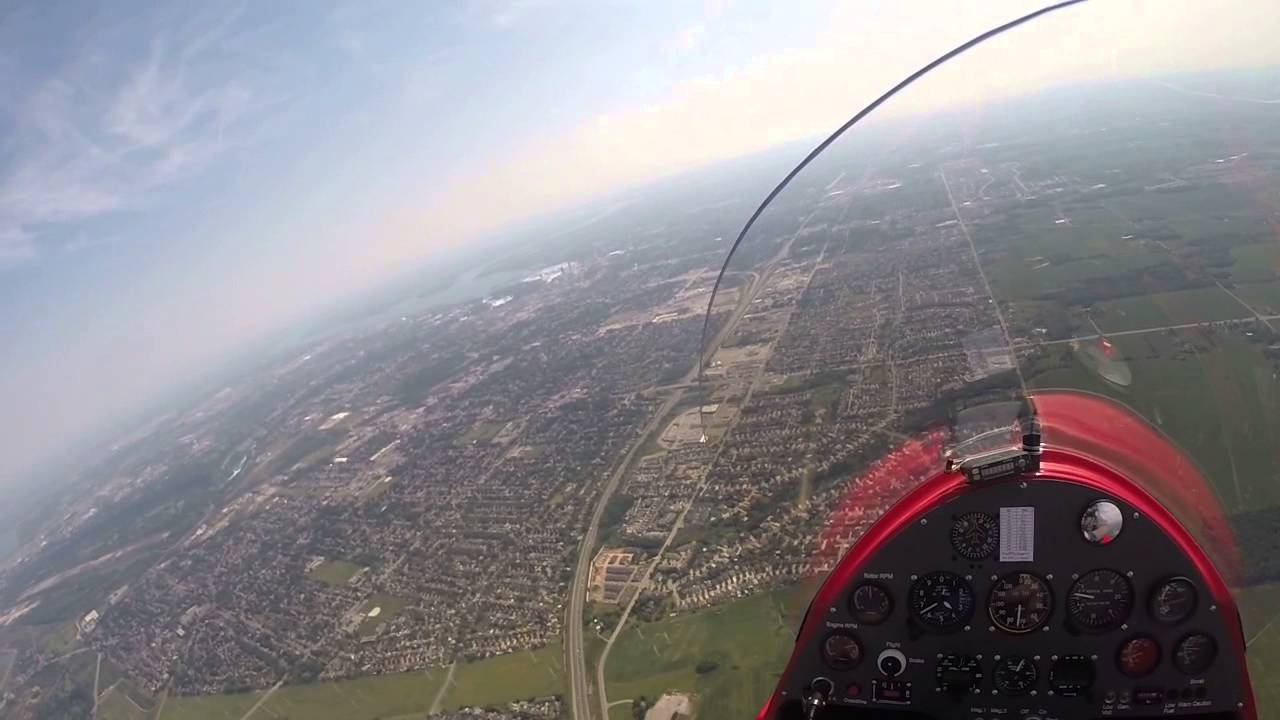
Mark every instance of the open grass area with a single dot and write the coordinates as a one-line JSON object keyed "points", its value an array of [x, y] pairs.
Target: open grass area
{"points": [[388, 606], [482, 433], [501, 679], [748, 640], [209, 707], [378, 696], [334, 572], [117, 706]]}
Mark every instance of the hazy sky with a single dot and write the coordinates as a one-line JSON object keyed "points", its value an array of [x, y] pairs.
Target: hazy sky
{"points": [[176, 181]]}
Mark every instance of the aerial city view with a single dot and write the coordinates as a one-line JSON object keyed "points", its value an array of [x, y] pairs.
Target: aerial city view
{"points": [[577, 477]]}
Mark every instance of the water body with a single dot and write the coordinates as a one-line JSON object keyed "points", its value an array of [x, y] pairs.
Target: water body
{"points": [[475, 284]]}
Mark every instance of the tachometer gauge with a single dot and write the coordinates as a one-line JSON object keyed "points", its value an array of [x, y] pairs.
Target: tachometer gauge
{"points": [[1195, 653], [1100, 601], [1138, 657], [975, 535], [941, 600], [1019, 603], [841, 651], [1015, 675], [870, 603], [1173, 601]]}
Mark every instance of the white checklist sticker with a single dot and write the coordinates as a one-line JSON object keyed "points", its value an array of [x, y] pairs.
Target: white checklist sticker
{"points": [[1017, 534]]}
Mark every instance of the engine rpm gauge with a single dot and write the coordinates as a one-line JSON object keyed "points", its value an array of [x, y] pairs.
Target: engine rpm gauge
{"points": [[1138, 657], [841, 651], [1173, 601], [1015, 675], [975, 535], [1100, 601], [1019, 603], [870, 603], [941, 600]]}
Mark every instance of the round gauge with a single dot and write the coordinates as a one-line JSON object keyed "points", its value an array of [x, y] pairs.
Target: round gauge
{"points": [[841, 651], [1100, 600], [958, 673], [1195, 653], [1072, 674], [1015, 675], [941, 600], [1138, 657], [1019, 603], [870, 603], [975, 535], [1173, 601]]}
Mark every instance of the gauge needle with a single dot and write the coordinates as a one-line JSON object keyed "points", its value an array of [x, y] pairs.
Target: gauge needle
{"points": [[1082, 595], [926, 610], [1021, 662], [946, 605], [1018, 618]]}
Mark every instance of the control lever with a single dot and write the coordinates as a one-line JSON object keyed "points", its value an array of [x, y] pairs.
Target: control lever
{"points": [[819, 690]]}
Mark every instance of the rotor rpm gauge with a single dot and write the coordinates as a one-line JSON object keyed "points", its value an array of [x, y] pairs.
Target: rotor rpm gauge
{"points": [[941, 600], [975, 535], [1173, 601], [1100, 600], [1019, 603], [870, 603], [1015, 675]]}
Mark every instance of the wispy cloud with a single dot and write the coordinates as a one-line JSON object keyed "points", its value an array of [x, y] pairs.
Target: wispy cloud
{"points": [[92, 137]]}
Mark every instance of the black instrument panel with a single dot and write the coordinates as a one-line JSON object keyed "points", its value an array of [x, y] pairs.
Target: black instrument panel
{"points": [[996, 604]]}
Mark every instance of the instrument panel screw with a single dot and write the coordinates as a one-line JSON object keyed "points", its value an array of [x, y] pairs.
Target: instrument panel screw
{"points": [[924, 521], [1213, 608], [1049, 576], [1124, 626], [1130, 573], [967, 628], [1136, 516]]}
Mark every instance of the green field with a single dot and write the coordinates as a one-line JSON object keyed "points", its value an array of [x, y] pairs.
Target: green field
{"points": [[504, 678], [1170, 308], [1220, 403], [209, 707], [748, 640], [334, 572], [490, 682], [117, 706], [1263, 296]]}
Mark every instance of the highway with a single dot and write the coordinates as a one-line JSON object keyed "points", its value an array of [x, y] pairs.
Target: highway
{"points": [[579, 684]]}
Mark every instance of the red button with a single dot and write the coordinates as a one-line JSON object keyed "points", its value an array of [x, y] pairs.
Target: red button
{"points": [[853, 690]]}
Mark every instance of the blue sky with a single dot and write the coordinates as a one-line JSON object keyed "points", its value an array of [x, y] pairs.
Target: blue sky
{"points": [[178, 181]]}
